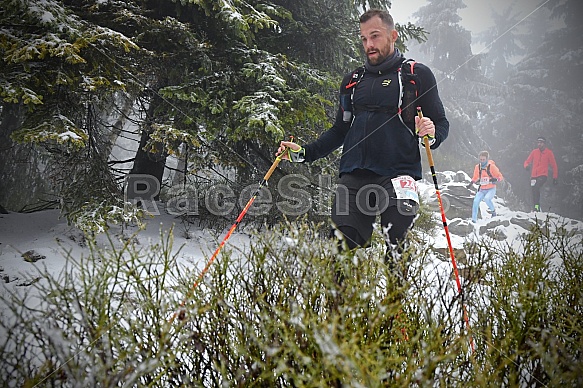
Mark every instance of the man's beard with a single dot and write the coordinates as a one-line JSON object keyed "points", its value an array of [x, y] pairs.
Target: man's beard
{"points": [[378, 60]]}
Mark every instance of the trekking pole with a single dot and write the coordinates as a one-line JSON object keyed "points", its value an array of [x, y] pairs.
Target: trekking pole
{"points": [[444, 220], [181, 313]]}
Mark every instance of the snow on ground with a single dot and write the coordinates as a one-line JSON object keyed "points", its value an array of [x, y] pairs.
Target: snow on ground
{"points": [[48, 235], [49, 239]]}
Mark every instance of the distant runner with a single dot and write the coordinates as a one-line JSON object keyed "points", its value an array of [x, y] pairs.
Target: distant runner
{"points": [[540, 159], [486, 174]]}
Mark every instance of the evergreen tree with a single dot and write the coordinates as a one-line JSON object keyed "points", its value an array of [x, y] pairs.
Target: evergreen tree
{"points": [[502, 42], [52, 70], [223, 81], [463, 89], [448, 46], [545, 100]]}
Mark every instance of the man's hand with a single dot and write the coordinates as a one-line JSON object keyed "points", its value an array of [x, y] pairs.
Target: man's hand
{"points": [[493, 180], [555, 181], [425, 127], [527, 167]]}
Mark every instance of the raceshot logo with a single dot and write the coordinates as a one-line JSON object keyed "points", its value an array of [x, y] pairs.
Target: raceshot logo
{"points": [[290, 197]]}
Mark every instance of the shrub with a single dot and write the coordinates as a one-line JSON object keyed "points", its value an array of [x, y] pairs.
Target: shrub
{"points": [[275, 315]]}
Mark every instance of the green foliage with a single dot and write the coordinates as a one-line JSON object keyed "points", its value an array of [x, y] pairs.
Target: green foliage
{"points": [[53, 62], [172, 138], [218, 77], [59, 130], [89, 196], [279, 104], [94, 218], [277, 316], [408, 32], [426, 220], [466, 93], [449, 44], [529, 312], [99, 313], [46, 50]]}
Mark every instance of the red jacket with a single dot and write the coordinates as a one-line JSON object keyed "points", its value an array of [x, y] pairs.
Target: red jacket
{"points": [[540, 161], [482, 177]]}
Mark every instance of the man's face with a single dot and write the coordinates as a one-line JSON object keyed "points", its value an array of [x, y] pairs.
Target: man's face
{"points": [[378, 41], [541, 145], [483, 159]]}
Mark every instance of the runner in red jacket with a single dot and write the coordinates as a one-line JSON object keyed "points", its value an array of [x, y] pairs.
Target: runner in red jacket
{"points": [[540, 159]]}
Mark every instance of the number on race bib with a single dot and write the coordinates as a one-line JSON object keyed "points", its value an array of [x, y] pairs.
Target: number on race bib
{"points": [[405, 188]]}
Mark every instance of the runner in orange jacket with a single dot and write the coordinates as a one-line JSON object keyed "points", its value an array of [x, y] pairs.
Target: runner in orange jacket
{"points": [[486, 174], [540, 159]]}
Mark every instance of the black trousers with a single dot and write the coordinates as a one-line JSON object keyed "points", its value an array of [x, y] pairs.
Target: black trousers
{"points": [[360, 197], [538, 184]]}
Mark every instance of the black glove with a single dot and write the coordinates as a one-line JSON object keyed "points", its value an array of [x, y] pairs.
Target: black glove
{"points": [[555, 181], [470, 185], [493, 180], [527, 168]]}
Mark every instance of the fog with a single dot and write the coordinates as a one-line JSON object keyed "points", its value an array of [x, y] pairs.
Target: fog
{"points": [[476, 17]]}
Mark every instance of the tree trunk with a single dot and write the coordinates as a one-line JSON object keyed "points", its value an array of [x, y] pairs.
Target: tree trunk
{"points": [[147, 162], [21, 180]]}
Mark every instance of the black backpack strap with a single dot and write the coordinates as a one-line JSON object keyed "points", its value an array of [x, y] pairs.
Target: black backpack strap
{"points": [[409, 84], [487, 170], [355, 79], [347, 93], [409, 87]]}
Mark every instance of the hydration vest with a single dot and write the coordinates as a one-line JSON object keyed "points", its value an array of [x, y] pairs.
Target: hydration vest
{"points": [[487, 169], [406, 109]]}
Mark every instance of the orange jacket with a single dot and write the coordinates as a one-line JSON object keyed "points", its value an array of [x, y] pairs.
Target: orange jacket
{"points": [[540, 163], [482, 177]]}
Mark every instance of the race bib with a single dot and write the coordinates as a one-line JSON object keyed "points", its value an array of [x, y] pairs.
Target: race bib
{"points": [[484, 181], [405, 188], [533, 182]]}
